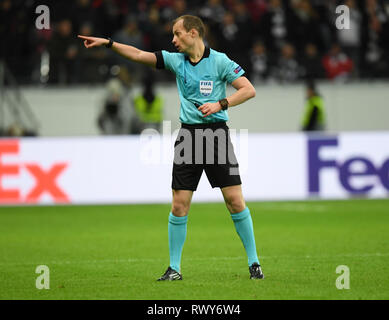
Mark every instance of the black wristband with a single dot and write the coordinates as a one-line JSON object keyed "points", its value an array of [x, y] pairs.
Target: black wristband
{"points": [[224, 104], [110, 43]]}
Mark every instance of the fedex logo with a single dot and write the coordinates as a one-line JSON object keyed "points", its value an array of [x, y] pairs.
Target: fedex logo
{"points": [[45, 179], [346, 169]]}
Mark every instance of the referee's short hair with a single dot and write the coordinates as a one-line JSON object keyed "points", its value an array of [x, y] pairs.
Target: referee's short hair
{"points": [[192, 22]]}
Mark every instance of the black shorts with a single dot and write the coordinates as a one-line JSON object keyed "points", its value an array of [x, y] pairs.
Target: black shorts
{"points": [[205, 147]]}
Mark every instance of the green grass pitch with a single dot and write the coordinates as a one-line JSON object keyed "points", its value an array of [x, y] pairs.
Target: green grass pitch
{"points": [[118, 252]]}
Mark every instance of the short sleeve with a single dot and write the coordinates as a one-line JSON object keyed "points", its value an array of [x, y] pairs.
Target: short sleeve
{"points": [[231, 70], [171, 60], [160, 62]]}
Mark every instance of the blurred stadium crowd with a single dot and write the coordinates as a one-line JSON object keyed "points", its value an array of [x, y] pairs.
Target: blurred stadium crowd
{"points": [[273, 40]]}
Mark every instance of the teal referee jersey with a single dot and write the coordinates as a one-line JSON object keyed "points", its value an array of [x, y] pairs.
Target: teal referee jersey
{"points": [[200, 82]]}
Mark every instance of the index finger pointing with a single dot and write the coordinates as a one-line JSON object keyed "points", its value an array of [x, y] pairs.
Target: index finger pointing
{"points": [[83, 37]]}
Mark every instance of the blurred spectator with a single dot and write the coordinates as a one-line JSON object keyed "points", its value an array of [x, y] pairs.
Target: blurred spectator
{"points": [[274, 25], [337, 64], [176, 9], [18, 130], [15, 42], [256, 9], [91, 62], [210, 38], [313, 68], [235, 25], [149, 23], [63, 49], [148, 107], [109, 16], [314, 114], [40, 59], [326, 23], [288, 68], [212, 12], [160, 38], [259, 68], [6, 28], [244, 22], [232, 37], [160, 32], [14, 130], [84, 12], [129, 35], [114, 119], [375, 41], [242, 16], [305, 22]]}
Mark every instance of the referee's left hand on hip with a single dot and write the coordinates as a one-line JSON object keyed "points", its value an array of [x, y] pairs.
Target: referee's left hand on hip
{"points": [[209, 108]]}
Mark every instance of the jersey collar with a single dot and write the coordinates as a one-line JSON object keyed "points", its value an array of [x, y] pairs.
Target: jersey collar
{"points": [[206, 54]]}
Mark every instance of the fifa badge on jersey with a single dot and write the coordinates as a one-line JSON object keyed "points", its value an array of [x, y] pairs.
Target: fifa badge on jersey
{"points": [[206, 87]]}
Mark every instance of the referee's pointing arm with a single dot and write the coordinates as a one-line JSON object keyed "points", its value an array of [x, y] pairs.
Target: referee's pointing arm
{"points": [[189, 42], [129, 52]]}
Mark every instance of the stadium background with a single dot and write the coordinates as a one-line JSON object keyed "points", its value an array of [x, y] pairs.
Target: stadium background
{"points": [[52, 97]]}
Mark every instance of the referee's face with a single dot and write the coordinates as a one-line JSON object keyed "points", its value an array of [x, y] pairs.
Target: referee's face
{"points": [[182, 39]]}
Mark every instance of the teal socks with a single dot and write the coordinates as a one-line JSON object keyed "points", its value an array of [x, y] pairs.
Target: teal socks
{"points": [[244, 227], [177, 235]]}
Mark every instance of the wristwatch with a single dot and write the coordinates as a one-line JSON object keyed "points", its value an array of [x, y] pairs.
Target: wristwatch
{"points": [[110, 43], [224, 104]]}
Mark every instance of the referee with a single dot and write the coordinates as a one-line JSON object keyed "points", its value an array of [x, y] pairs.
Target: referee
{"points": [[203, 142]]}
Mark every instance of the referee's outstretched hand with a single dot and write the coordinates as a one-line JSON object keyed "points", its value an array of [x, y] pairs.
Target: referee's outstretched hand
{"points": [[90, 42]]}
